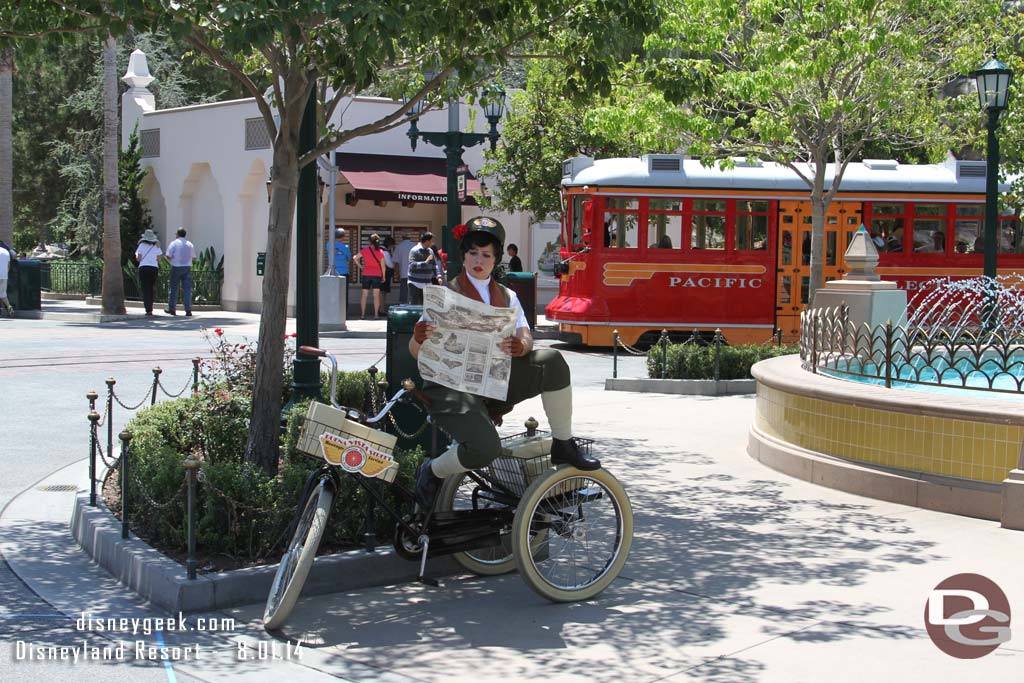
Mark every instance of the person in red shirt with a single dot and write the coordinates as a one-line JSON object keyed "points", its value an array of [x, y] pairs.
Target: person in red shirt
{"points": [[372, 262]]}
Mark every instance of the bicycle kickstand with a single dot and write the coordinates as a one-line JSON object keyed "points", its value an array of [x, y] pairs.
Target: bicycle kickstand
{"points": [[422, 578]]}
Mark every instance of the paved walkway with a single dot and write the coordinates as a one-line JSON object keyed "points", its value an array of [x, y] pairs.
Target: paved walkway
{"points": [[737, 573]]}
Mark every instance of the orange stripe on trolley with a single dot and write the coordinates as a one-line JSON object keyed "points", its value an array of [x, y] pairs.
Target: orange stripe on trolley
{"points": [[623, 274]]}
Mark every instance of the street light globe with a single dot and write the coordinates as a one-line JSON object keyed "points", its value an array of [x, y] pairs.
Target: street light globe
{"points": [[993, 81], [493, 102]]}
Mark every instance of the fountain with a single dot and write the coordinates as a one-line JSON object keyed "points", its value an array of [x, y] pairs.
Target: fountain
{"points": [[934, 416]]}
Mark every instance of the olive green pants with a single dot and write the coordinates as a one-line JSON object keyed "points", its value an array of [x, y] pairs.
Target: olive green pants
{"points": [[467, 417]]}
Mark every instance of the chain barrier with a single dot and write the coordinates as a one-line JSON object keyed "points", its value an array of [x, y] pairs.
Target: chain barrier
{"points": [[128, 407], [108, 463], [207, 486], [149, 500], [188, 385]]}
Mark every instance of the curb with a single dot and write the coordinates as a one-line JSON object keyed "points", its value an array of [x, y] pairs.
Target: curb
{"points": [[691, 387], [165, 583], [71, 317]]}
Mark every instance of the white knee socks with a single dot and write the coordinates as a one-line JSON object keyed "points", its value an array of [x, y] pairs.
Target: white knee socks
{"points": [[447, 464], [558, 407]]}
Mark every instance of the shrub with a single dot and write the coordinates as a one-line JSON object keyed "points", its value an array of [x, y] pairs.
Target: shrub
{"points": [[695, 361]]}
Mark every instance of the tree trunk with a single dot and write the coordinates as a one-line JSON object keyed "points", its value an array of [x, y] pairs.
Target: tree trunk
{"points": [[6, 146], [264, 426], [113, 279], [818, 207]]}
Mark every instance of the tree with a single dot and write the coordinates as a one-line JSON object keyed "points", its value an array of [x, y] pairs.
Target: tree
{"points": [[113, 276], [812, 83], [543, 127], [344, 48], [6, 145], [135, 217]]}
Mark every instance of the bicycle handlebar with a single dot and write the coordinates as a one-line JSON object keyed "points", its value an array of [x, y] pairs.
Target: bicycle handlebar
{"points": [[408, 386]]}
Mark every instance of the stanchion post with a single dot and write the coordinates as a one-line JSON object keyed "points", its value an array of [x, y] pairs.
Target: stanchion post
{"points": [[531, 425], [615, 354], [110, 416], [718, 352], [664, 353], [191, 470], [370, 533], [888, 354], [778, 336], [126, 446], [195, 374], [156, 383], [94, 420]]}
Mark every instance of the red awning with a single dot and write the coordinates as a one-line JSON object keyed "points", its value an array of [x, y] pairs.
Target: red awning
{"points": [[395, 178]]}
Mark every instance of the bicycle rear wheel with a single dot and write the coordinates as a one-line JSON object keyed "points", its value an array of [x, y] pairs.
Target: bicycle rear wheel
{"points": [[585, 521], [299, 555], [460, 492]]}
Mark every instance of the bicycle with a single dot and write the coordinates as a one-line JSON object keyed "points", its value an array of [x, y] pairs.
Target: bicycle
{"points": [[567, 532]]}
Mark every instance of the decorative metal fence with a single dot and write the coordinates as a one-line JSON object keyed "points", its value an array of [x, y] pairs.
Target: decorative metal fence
{"points": [[977, 359], [79, 277]]}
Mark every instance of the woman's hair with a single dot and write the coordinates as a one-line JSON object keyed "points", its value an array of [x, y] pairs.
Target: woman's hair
{"points": [[478, 238], [389, 242], [375, 240], [513, 248]]}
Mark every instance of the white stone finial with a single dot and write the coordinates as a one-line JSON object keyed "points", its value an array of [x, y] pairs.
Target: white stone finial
{"points": [[137, 75], [861, 256]]}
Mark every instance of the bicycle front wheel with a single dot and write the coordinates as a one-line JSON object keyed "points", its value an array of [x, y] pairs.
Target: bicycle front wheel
{"points": [[461, 492], [585, 521], [299, 555]]}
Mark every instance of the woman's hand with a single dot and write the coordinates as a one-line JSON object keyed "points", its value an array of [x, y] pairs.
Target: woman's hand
{"points": [[513, 346], [423, 331]]}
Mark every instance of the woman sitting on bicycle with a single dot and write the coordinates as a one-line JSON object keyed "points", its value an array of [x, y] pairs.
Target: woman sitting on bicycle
{"points": [[469, 418]]}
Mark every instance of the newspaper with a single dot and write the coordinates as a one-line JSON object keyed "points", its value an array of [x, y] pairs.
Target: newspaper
{"points": [[463, 353]]}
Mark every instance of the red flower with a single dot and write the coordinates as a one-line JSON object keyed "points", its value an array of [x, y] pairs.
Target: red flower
{"points": [[219, 332], [459, 231]]}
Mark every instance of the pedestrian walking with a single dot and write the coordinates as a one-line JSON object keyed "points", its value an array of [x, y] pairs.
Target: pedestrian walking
{"points": [[423, 268], [180, 254], [402, 264], [146, 255]]}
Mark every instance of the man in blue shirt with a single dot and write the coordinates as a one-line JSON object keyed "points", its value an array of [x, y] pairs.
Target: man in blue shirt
{"points": [[342, 253]]}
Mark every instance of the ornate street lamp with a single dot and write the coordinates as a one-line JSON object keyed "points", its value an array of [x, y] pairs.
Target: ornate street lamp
{"points": [[993, 81], [455, 143]]}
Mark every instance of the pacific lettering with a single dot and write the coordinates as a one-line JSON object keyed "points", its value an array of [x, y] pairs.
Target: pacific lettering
{"points": [[715, 282]]}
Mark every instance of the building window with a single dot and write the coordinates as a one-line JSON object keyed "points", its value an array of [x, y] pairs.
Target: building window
{"points": [[149, 142], [256, 135]]}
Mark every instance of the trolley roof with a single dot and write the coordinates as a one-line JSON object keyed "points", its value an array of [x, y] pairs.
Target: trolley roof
{"points": [[872, 175]]}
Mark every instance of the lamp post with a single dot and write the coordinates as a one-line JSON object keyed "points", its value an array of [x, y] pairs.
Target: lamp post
{"points": [[993, 80], [455, 142]]}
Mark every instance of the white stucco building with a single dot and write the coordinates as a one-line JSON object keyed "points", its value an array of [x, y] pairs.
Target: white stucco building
{"points": [[209, 166]]}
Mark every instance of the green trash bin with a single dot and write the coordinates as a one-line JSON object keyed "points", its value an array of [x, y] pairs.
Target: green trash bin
{"points": [[525, 287], [401, 366], [23, 286]]}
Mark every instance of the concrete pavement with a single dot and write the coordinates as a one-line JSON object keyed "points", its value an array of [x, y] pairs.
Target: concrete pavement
{"points": [[737, 573]]}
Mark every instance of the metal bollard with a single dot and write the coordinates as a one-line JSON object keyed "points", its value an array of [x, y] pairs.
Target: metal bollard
{"points": [[664, 353], [126, 443], [195, 375], [370, 533], [778, 336], [372, 371], [94, 420], [615, 354], [531, 425], [110, 416], [191, 470], [718, 352], [156, 383]]}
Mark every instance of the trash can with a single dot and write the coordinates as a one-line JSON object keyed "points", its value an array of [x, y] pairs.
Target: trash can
{"points": [[401, 366], [525, 287], [23, 287]]}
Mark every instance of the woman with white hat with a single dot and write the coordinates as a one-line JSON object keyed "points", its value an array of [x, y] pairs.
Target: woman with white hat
{"points": [[146, 255]]}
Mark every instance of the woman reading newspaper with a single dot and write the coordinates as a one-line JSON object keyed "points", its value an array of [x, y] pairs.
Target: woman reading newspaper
{"points": [[469, 418]]}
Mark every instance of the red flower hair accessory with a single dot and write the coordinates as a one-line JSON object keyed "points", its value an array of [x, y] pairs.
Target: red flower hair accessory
{"points": [[459, 231]]}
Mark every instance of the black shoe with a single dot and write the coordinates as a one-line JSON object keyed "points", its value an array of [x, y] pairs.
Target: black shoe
{"points": [[169, 312], [427, 486], [188, 314], [568, 453]]}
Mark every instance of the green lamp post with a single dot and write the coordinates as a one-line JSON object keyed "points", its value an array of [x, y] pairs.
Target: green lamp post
{"points": [[993, 80], [455, 142]]}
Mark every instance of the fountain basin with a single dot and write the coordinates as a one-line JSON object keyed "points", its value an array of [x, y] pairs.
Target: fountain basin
{"points": [[952, 453]]}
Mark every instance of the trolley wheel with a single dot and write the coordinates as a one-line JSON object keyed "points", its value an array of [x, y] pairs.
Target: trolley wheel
{"points": [[586, 522], [457, 493], [298, 556]]}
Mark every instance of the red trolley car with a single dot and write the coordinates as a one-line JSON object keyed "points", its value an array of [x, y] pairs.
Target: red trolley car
{"points": [[663, 242]]}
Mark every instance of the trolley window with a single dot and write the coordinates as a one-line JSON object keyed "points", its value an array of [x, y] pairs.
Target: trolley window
{"points": [[622, 223], [665, 223], [1010, 237], [577, 228], [751, 225], [708, 224]]}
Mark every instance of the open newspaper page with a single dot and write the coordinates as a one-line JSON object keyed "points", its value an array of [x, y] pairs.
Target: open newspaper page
{"points": [[463, 353]]}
